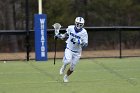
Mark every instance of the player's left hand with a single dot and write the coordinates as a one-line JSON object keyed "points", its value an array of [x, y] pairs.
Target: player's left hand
{"points": [[78, 41]]}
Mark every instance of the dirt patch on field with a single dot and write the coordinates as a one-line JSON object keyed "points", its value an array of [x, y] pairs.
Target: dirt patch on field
{"points": [[85, 54]]}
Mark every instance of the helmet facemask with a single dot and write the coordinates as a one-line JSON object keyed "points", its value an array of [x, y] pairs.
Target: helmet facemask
{"points": [[79, 25]]}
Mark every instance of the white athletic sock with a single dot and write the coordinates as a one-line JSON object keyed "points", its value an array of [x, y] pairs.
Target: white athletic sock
{"points": [[62, 69]]}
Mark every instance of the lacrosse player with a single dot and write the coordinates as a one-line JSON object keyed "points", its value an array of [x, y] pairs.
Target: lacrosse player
{"points": [[77, 39]]}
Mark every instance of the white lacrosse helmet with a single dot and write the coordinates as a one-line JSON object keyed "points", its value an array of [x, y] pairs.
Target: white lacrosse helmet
{"points": [[79, 22]]}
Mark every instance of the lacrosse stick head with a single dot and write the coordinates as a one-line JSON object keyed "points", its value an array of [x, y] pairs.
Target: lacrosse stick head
{"points": [[57, 27]]}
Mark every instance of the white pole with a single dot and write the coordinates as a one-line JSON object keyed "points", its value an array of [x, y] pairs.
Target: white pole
{"points": [[40, 6]]}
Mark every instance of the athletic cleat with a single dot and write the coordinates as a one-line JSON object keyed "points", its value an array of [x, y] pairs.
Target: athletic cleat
{"points": [[65, 79]]}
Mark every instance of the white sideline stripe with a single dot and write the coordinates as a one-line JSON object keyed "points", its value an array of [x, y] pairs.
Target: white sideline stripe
{"points": [[132, 78], [48, 82], [19, 72], [30, 82], [105, 70]]}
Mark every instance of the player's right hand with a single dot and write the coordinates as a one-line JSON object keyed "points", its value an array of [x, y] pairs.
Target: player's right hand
{"points": [[56, 37], [61, 36]]}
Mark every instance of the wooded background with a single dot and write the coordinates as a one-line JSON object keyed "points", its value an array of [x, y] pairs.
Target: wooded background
{"points": [[95, 12]]}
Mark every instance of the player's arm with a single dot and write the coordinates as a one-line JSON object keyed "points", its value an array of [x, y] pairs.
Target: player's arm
{"points": [[83, 41], [61, 36]]}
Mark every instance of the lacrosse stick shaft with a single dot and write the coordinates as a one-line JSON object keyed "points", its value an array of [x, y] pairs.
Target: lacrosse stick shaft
{"points": [[55, 50], [57, 27]]}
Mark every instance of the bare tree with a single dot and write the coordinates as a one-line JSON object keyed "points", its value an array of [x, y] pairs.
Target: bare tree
{"points": [[8, 23]]}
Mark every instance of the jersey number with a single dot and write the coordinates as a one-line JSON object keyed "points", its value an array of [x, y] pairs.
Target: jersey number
{"points": [[72, 41]]}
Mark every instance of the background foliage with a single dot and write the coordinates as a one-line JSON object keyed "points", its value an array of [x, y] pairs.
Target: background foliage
{"points": [[95, 12]]}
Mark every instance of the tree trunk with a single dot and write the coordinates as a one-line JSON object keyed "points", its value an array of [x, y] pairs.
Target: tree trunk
{"points": [[13, 45]]}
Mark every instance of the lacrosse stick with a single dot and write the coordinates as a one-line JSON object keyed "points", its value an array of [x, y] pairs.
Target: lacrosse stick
{"points": [[57, 27]]}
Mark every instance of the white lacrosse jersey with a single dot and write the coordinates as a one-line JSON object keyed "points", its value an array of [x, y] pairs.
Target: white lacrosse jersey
{"points": [[82, 35]]}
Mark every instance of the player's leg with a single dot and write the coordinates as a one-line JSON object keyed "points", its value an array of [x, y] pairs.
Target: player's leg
{"points": [[69, 72], [66, 60], [75, 59]]}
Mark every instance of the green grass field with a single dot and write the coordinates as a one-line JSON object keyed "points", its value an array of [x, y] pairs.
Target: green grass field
{"points": [[108, 75]]}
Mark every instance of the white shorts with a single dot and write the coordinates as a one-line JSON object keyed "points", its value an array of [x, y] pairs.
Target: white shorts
{"points": [[71, 58]]}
